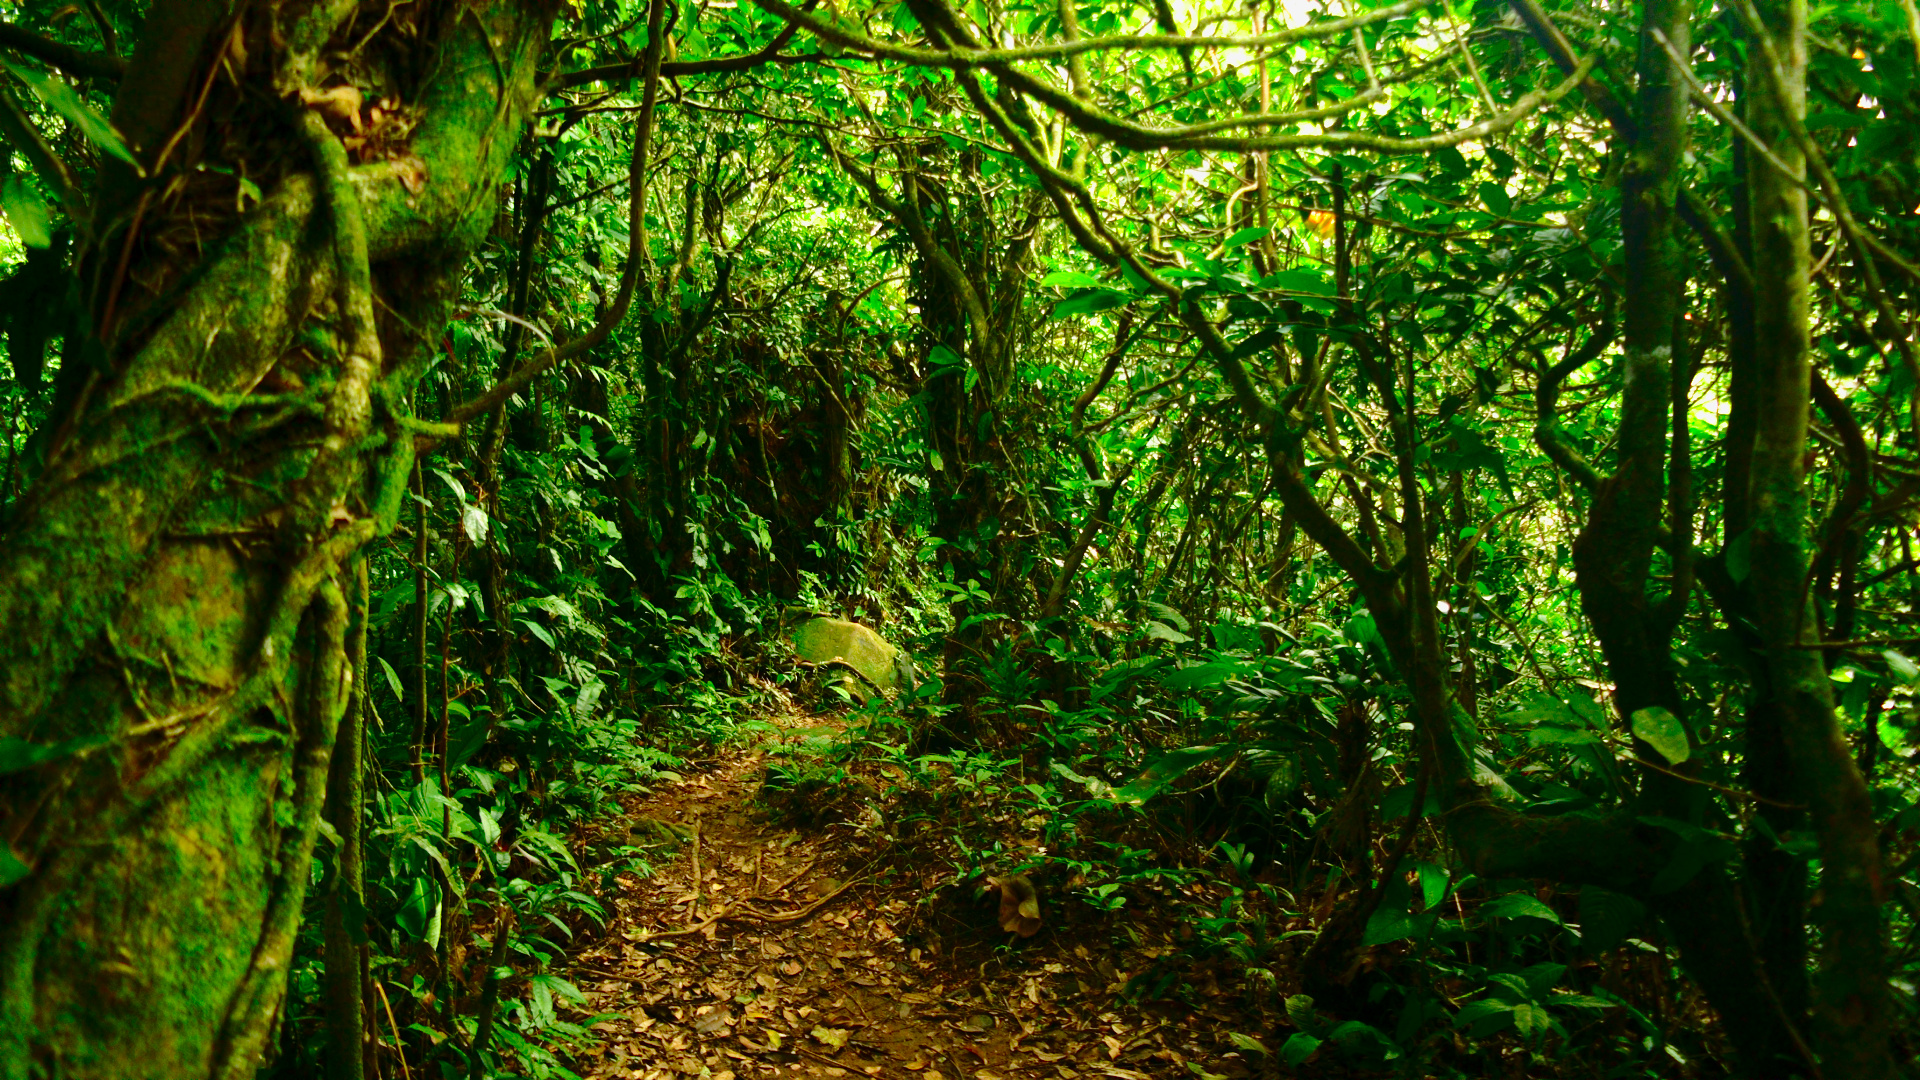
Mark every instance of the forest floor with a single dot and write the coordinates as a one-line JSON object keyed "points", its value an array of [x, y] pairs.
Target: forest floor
{"points": [[769, 948]]}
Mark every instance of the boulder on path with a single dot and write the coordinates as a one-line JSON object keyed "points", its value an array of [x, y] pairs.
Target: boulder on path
{"points": [[881, 667]]}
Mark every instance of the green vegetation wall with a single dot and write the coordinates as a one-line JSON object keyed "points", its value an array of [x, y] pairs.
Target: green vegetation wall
{"points": [[1488, 430]]}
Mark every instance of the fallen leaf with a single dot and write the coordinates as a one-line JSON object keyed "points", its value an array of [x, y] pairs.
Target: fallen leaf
{"points": [[1019, 904], [412, 172], [340, 103], [835, 1038]]}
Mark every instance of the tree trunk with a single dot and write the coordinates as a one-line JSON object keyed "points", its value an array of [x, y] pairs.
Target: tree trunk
{"points": [[172, 590], [1852, 1008]]}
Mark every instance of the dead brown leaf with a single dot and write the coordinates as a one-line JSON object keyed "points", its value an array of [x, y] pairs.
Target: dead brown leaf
{"points": [[1019, 904]]}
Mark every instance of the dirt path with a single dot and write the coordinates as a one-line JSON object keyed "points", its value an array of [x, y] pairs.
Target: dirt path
{"points": [[765, 950]]}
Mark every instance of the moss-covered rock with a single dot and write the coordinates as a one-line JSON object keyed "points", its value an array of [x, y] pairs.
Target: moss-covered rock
{"points": [[881, 666]]}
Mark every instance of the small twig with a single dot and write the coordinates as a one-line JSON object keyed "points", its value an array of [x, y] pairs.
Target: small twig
{"points": [[1722, 788], [697, 928], [695, 906], [730, 913], [805, 912], [821, 1058], [601, 973], [780, 888], [400, 1050]]}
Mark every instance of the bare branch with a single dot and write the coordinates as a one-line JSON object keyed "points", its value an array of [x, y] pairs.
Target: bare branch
{"points": [[961, 56], [90, 65]]}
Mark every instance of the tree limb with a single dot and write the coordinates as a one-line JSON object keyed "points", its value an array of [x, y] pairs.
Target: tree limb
{"points": [[90, 65]]}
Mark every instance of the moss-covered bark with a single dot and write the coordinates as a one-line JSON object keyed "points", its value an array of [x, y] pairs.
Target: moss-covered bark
{"points": [[171, 591], [1852, 1007]]}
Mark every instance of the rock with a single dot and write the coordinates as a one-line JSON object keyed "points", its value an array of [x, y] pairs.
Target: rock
{"points": [[828, 641]]}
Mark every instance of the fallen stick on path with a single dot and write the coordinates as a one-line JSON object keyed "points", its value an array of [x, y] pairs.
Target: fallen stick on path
{"points": [[733, 913]]}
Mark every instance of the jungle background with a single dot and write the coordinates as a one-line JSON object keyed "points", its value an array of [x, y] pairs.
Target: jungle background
{"points": [[1398, 522]]}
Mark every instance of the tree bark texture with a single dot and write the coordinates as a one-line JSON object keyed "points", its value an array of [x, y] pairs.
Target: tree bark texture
{"points": [[173, 588], [1851, 1002]]}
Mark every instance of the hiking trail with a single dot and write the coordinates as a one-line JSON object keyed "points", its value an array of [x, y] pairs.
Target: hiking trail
{"points": [[769, 949]]}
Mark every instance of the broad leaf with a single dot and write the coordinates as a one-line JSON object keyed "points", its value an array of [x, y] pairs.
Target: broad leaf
{"points": [[1663, 731], [1162, 773]]}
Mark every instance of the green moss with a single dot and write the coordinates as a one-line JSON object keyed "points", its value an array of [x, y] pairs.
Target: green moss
{"points": [[139, 959]]}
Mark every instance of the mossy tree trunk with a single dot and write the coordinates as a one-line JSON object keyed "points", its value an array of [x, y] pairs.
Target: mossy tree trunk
{"points": [[1852, 1007], [174, 589]]}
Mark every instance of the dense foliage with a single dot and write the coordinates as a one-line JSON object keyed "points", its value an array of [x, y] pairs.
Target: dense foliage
{"points": [[1444, 473]]}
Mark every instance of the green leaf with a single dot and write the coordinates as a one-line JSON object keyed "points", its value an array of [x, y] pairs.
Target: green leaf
{"points": [[1663, 731], [1160, 631], [1300, 1012], [1298, 1048], [419, 914], [393, 679], [1389, 922], [1088, 302], [1433, 884], [1541, 978], [1070, 279], [27, 211], [1299, 281], [66, 101], [11, 868], [1580, 1001], [1161, 774], [1096, 787], [541, 632], [1358, 1036], [1587, 709], [1902, 668], [1519, 905], [1550, 735], [1201, 676], [1248, 1042], [473, 522], [1171, 615], [1258, 342], [1247, 236], [1496, 198], [459, 490], [1485, 1017]]}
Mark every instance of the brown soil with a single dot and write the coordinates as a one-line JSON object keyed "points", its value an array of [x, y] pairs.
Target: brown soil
{"points": [[770, 950]]}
